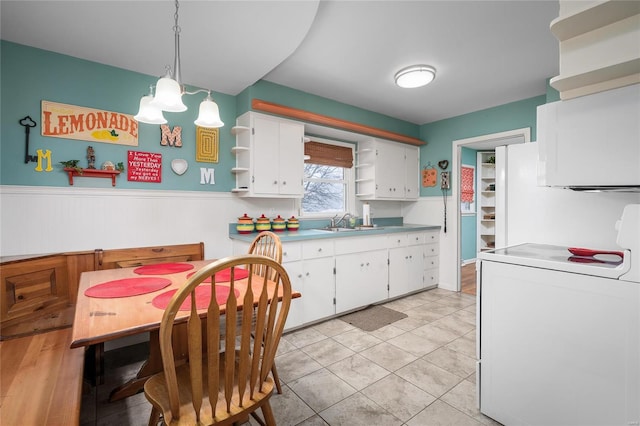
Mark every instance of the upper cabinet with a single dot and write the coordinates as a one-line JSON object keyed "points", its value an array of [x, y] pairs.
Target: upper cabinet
{"points": [[598, 46], [387, 170], [269, 156]]}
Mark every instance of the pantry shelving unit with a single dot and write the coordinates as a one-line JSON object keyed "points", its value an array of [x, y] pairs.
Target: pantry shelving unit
{"points": [[486, 199]]}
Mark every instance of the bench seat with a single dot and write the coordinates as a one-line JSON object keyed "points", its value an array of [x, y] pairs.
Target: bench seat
{"points": [[40, 380]]}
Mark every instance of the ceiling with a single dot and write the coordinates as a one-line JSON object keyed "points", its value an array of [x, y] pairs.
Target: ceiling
{"points": [[486, 53]]}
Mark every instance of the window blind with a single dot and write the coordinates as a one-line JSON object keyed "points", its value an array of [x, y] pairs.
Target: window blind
{"points": [[328, 155]]}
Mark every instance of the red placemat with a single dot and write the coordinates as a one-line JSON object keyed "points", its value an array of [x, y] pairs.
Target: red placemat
{"points": [[127, 287], [162, 268], [225, 275], [203, 296]]}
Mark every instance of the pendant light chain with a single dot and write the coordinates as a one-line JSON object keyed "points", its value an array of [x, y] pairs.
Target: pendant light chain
{"points": [[177, 72]]}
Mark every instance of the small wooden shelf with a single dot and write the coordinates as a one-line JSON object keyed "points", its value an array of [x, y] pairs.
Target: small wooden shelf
{"points": [[92, 173]]}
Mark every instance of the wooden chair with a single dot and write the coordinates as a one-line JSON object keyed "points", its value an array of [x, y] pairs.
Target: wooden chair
{"points": [[268, 244], [216, 387]]}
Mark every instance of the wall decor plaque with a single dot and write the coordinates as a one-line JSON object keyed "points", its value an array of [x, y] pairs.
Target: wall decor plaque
{"points": [[207, 145], [144, 167], [88, 124]]}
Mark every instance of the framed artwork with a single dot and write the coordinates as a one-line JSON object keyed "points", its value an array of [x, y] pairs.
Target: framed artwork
{"points": [[467, 191], [207, 145]]}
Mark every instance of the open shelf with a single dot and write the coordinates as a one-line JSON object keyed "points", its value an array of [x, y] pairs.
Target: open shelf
{"points": [[237, 149], [239, 170], [95, 173], [238, 129]]}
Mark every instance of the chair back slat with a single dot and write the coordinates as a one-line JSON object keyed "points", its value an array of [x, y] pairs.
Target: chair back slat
{"points": [[213, 345], [194, 327], [238, 377]]}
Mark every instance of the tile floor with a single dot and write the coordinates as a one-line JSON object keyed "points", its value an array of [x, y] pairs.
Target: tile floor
{"points": [[417, 371]]}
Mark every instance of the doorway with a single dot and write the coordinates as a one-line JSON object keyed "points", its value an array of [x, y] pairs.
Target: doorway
{"points": [[486, 142]]}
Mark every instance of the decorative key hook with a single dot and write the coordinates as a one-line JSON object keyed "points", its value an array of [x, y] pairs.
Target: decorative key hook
{"points": [[27, 122]]}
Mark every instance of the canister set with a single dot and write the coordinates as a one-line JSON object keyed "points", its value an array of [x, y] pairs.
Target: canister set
{"points": [[246, 225]]}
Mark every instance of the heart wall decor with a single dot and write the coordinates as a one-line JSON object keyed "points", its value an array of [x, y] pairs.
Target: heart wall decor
{"points": [[443, 164], [179, 166]]}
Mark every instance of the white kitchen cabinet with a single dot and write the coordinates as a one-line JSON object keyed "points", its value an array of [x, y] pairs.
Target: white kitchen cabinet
{"points": [[406, 263], [387, 170], [269, 156], [361, 272]]}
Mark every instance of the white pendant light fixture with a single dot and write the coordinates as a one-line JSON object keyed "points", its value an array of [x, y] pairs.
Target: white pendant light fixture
{"points": [[169, 91], [148, 113], [415, 76]]}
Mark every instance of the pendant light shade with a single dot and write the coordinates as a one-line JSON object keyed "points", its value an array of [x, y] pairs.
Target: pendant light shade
{"points": [[209, 115], [148, 113], [415, 76], [168, 96]]}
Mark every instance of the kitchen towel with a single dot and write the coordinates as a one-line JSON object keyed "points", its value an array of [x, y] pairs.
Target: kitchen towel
{"points": [[366, 214]]}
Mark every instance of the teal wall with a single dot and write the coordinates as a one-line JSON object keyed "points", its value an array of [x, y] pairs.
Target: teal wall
{"points": [[441, 134], [31, 75], [468, 222]]}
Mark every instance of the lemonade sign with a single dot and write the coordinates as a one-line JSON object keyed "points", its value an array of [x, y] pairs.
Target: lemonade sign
{"points": [[88, 124]]}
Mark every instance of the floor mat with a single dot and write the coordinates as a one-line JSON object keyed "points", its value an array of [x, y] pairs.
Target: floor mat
{"points": [[373, 317]]}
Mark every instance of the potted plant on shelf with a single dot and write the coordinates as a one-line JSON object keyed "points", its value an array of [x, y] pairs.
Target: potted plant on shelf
{"points": [[72, 164]]}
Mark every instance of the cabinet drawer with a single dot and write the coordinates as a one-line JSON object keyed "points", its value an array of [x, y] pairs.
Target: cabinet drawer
{"points": [[432, 237], [431, 262], [416, 238], [432, 249], [398, 240], [291, 252], [317, 248], [360, 244], [431, 277]]}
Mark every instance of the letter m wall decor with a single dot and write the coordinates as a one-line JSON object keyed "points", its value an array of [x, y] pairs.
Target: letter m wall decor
{"points": [[88, 124]]}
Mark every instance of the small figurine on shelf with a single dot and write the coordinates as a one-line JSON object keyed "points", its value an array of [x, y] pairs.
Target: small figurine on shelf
{"points": [[91, 157]]}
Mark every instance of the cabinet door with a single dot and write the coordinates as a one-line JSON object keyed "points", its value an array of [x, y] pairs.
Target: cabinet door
{"points": [[405, 270], [265, 152], [291, 161], [361, 279], [318, 289], [389, 171], [412, 175], [296, 315]]}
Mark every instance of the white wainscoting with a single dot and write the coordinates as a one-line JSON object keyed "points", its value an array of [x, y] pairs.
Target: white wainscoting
{"points": [[37, 220]]}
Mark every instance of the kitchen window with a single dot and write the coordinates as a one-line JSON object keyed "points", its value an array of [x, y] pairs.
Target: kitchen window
{"points": [[328, 178]]}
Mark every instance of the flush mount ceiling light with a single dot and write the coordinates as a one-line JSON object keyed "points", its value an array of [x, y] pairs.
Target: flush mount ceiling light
{"points": [[415, 76], [169, 91]]}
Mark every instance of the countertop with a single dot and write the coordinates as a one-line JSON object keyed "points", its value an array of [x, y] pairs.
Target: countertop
{"points": [[312, 234]]}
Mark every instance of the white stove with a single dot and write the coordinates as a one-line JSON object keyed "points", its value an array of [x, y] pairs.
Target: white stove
{"points": [[559, 332]]}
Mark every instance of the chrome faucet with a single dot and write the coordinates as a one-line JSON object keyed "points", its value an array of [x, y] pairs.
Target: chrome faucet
{"points": [[343, 220]]}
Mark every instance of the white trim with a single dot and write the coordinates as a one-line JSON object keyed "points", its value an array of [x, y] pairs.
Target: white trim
{"points": [[477, 142]]}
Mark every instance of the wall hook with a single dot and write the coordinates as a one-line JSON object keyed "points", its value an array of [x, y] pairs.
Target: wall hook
{"points": [[27, 122]]}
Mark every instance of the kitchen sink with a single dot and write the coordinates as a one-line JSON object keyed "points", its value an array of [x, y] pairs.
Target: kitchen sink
{"points": [[357, 228]]}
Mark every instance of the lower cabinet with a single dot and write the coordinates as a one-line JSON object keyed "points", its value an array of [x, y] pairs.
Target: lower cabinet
{"points": [[361, 279], [337, 275]]}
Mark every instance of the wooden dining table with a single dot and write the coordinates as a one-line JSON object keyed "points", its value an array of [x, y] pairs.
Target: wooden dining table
{"points": [[98, 320]]}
